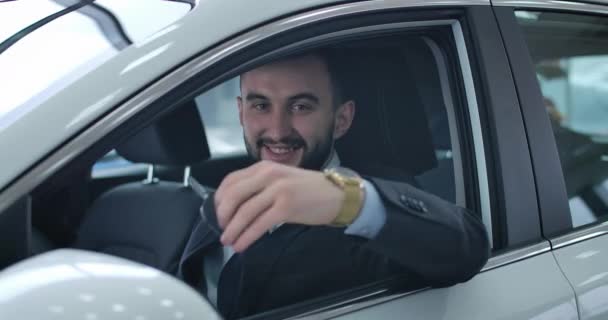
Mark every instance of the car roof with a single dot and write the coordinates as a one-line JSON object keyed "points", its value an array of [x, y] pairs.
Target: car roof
{"points": [[43, 125]]}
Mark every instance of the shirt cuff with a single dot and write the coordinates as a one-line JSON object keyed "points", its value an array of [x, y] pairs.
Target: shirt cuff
{"points": [[372, 216]]}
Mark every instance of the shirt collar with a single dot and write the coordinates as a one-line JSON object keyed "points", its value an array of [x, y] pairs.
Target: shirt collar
{"points": [[332, 162]]}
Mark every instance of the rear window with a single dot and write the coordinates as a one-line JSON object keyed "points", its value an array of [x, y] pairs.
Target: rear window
{"points": [[570, 53]]}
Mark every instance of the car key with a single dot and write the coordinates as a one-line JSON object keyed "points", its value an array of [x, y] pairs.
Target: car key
{"points": [[198, 188], [207, 216]]}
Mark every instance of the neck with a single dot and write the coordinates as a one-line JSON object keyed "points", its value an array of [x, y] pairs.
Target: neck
{"points": [[332, 161]]}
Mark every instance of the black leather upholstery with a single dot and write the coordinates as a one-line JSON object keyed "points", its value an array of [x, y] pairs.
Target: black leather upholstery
{"points": [[390, 120], [39, 243], [178, 139], [422, 63], [150, 222]]}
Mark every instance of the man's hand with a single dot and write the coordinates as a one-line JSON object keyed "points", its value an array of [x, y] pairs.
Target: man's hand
{"points": [[249, 202]]}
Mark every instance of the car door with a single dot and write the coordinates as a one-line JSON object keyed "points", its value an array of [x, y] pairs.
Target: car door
{"points": [[522, 279], [562, 66], [488, 158]]}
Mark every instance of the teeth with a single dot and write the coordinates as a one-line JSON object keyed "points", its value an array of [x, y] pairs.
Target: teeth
{"points": [[279, 150]]}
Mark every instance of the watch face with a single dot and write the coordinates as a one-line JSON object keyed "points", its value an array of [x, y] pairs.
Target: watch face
{"points": [[346, 172]]}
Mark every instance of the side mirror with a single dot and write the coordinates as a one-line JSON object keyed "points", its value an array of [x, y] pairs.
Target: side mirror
{"points": [[77, 284]]}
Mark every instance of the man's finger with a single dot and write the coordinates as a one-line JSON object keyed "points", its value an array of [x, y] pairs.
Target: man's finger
{"points": [[228, 181], [237, 194], [235, 177], [246, 214], [256, 229]]}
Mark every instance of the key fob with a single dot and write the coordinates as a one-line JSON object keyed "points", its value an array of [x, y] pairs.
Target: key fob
{"points": [[207, 210]]}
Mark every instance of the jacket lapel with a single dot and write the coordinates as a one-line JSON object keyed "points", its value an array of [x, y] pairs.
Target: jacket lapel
{"points": [[257, 264]]}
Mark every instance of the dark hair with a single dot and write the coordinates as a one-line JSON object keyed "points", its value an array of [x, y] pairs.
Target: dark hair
{"points": [[331, 60]]}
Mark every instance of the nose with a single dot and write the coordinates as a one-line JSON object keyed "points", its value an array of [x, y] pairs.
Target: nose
{"points": [[280, 125]]}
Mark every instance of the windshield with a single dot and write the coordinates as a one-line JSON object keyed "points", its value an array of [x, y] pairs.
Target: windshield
{"points": [[27, 14], [48, 57]]}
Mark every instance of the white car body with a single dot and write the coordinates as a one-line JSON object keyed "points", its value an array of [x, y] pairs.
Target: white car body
{"points": [[563, 279]]}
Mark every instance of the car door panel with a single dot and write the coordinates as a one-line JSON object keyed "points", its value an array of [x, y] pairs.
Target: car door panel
{"points": [[586, 266], [534, 288]]}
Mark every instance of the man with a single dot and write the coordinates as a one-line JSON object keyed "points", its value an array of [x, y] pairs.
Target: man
{"points": [[300, 225]]}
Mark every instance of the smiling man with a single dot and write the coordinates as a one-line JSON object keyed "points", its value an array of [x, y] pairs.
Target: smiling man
{"points": [[288, 114], [296, 219]]}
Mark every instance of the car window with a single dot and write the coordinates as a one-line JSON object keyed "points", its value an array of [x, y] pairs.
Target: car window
{"points": [[218, 108], [404, 102], [27, 12], [219, 112], [444, 177], [570, 53]]}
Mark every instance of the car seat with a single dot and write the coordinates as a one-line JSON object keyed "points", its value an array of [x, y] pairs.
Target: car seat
{"points": [[390, 121], [400, 116], [150, 221]]}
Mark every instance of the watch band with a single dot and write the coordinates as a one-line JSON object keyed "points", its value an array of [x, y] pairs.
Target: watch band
{"points": [[353, 197]]}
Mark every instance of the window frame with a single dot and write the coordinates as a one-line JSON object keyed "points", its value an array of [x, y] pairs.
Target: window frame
{"points": [[518, 222], [551, 188]]}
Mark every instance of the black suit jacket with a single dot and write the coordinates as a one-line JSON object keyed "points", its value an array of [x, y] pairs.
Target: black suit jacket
{"points": [[433, 241]]}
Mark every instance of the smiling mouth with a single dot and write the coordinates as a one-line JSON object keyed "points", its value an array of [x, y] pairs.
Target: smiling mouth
{"points": [[281, 150], [286, 154]]}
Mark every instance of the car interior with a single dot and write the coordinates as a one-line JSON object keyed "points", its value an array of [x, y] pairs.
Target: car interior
{"points": [[145, 212]]}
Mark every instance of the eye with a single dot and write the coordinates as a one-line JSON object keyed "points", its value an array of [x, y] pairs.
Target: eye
{"points": [[260, 106], [300, 107]]}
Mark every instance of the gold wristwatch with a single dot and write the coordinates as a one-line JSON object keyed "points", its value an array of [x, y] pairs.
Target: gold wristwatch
{"points": [[352, 185]]}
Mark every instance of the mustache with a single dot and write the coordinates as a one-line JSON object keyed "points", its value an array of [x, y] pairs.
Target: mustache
{"points": [[293, 141]]}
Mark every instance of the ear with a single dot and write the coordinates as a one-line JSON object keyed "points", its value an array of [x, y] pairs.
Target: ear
{"points": [[344, 118], [239, 102]]}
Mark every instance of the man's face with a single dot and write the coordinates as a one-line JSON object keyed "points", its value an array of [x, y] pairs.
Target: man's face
{"points": [[287, 112]]}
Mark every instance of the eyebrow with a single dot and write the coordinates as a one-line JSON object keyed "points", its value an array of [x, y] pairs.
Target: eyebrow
{"points": [[295, 97], [304, 96], [256, 96]]}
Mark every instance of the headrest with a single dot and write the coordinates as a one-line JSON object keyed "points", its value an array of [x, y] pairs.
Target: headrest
{"points": [[178, 138], [390, 128]]}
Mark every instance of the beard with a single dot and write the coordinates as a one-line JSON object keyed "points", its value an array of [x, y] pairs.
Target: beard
{"points": [[312, 158]]}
